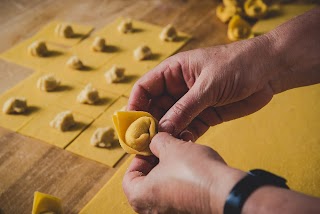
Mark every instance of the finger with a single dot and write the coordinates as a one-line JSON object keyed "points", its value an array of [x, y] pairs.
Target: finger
{"points": [[245, 107], [154, 83], [194, 130], [163, 142], [180, 115], [210, 117], [137, 170]]}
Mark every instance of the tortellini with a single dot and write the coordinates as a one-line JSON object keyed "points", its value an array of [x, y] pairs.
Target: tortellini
{"points": [[63, 121], [142, 52], [38, 48], [225, 13], [88, 95], [115, 74], [75, 63], [64, 30], [238, 29], [15, 105], [135, 130], [103, 137], [48, 83], [255, 8], [99, 44], [168, 33]]}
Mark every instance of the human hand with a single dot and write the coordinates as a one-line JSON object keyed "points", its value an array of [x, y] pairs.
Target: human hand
{"points": [[187, 178], [193, 90]]}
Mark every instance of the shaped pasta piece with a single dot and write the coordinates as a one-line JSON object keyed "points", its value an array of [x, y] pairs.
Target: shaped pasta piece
{"points": [[48, 83], [225, 13], [255, 8], [64, 30], [75, 63], [44, 203], [239, 29], [88, 95], [168, 33], [99, 44], [38, 48], [102, 137], [115, 74], [15, 105], [126, 26], [63, 121], [135, 130], [142, 52], [234, 3]]}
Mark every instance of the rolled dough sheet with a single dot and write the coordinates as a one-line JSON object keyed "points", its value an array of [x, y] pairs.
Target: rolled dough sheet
{"points": [[38, 127], [111, 198], [286, 13], [69, 101], [47, 33], [98, 79], [95, 58], [82, 146], [283, 137], [19, 55]]}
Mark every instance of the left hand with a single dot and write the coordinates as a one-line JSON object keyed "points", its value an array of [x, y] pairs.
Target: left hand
{"points": [[187, 178]]}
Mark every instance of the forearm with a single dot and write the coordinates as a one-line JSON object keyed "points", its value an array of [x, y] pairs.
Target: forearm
{"points": [[296, 46], [264, 200]]}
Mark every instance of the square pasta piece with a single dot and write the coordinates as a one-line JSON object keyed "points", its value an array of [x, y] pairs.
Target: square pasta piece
{"points": [[19, 54], [119, 203], [48, 33], [107, 156], [39, 127], [99, 80], [69, 100], [98, 58]]}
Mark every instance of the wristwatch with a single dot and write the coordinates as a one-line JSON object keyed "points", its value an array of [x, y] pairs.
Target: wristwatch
{"points": [[246, 186]]}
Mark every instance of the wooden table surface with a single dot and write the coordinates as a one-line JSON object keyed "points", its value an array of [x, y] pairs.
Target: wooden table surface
{"points": [[26, 164]]}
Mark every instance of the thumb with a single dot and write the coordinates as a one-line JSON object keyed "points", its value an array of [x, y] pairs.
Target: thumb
{"points": [[162, 143], [180, 115]]}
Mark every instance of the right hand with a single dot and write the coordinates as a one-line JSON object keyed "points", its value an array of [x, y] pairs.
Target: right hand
{"points": [[193, 90]]}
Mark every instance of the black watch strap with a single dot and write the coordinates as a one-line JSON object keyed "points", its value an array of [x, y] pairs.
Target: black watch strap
{"points": [[247, 185]]}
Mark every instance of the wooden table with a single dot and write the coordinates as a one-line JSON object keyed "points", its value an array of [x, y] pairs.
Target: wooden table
{"points": [[27, 165]]}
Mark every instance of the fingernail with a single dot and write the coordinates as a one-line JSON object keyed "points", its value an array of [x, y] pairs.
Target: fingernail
{"points": [[166, 126], [187, 136]]}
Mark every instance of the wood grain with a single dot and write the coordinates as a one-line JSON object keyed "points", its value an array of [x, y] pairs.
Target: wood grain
{"points": [[26, 164]]}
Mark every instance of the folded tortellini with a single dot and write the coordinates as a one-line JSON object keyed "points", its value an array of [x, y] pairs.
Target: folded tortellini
{"points": [[255, 8], [239, 29], [135, 130]]}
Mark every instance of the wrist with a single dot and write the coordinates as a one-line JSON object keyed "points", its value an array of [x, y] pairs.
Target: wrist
{"points": [[221, 185]]}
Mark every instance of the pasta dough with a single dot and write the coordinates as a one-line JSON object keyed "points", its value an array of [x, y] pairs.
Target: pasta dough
{"points": [[15, 105], [99, 44], [63, 121], [48, 83], [103, 137], [115, 74], [238, 29], [88, 95], [135, 130], [64, 30], [142, 52], [44, 203], [75, 63], [38, 48], [125, 26], [168, 33]]}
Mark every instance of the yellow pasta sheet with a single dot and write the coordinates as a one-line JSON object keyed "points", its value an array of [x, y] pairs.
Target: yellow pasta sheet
{"points": [[283, 137], [38, 127], [107, 156], [48, 33], [111, 198], [19, 55]]}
